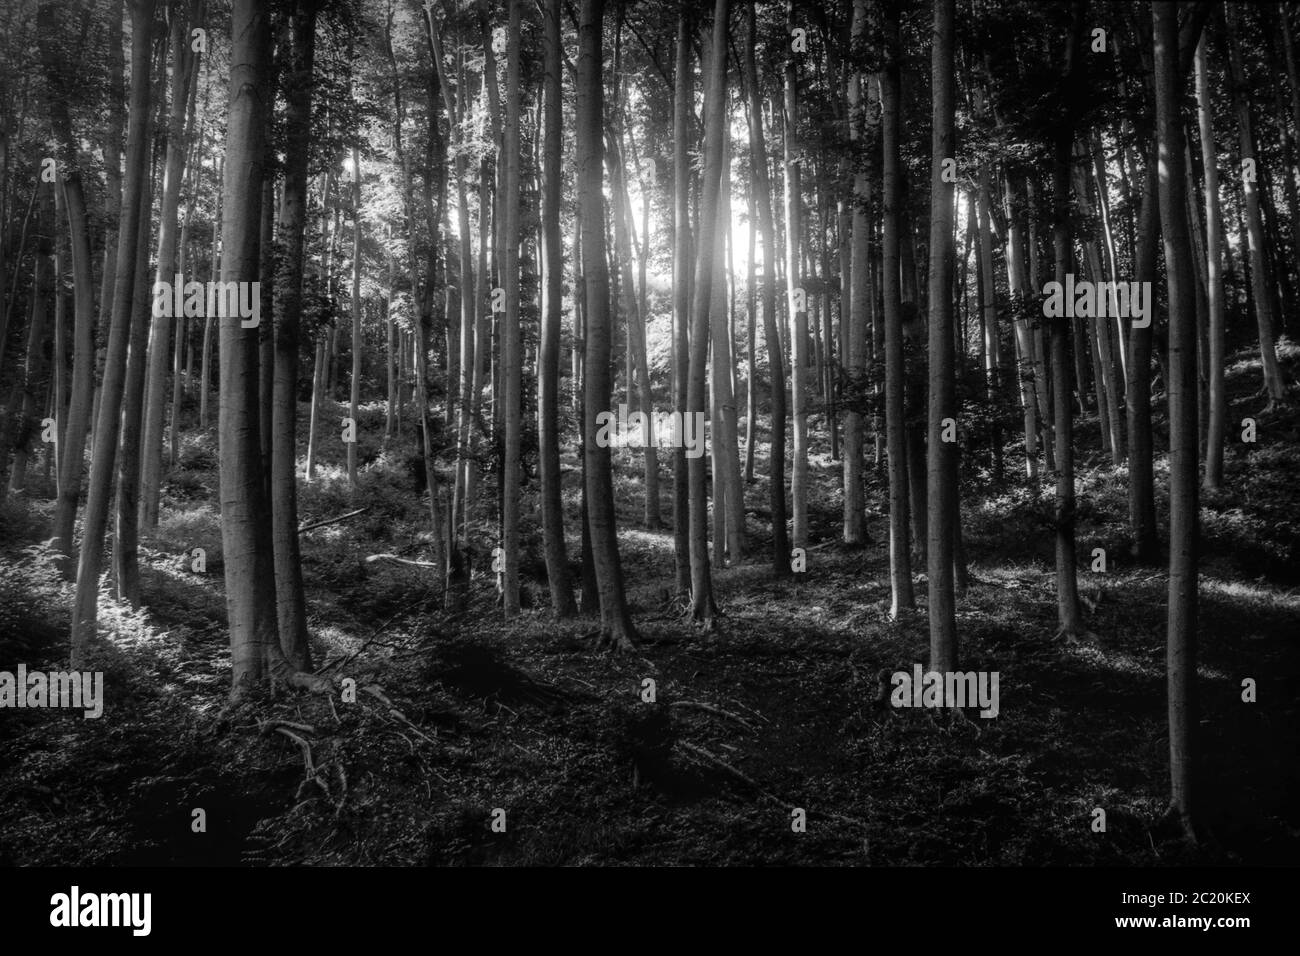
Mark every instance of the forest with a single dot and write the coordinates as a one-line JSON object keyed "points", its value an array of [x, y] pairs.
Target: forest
{"points": [[652, 433]]}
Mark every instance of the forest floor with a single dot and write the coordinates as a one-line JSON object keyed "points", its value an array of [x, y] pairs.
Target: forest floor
{"points": [[779, 708]]}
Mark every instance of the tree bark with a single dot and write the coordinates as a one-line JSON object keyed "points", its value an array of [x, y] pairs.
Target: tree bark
{"points": [[860, 294], [557, 562], [1181, 637], [617, 630], [1067, 595], [184, 70], [1273, 385], [245, 525], [900, 559], [108, 419], [941, 496], [771, 335], [795, 296], [1214, 271], [291, 607]]}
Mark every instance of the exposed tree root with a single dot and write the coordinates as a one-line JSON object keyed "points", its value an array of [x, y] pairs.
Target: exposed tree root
{"points": [[378, 694], [615, 642]]}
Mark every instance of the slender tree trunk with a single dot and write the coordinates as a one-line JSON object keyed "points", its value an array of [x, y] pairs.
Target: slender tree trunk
{"points": [[683, 95], [941, 498], [860, 293], [1042, 383], [1067, 596], [702, 603], [108, 421], [1273, 385], [557, 562], [184, 70], [76, 421], [1214, 271], [751, 329], [1181, 649], [900, 559], [512, 344], [1108, 409], [126, 530], [771, 335], [317, 399], [1018, 282], [726, 434], [208, 321], [290, 600], [615, 621], [989, 306], [796, 298], [354, 389]]}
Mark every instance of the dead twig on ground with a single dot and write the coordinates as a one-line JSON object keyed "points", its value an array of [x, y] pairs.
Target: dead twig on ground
{"points": [[711, 709], [763, 792]]}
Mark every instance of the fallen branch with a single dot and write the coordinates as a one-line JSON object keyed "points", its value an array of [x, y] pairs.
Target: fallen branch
{"points": [[718, 762], [328, 521], [709, 708], [371, 559]]}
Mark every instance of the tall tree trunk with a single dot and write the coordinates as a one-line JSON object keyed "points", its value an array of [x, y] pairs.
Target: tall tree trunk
{"points": [[1067, 595], [317, 398], [184, 70], [683, 96], [208, 321], [75, 423], [1042, 383], [1108, 410], [751, 333], [512, 344], [796, 298], [615, 621], [1181, 647], [638, 381], [1214, 271], [548, 372], [291, 604], [1141, 490], [245, 524], [900, 559], [108, 420], [1273, 385], [942, 497], [771, 335], [354, 384], [989, 307], [1018, 283], [702, 603], [860, 291], [726, 432], [126, 517]]}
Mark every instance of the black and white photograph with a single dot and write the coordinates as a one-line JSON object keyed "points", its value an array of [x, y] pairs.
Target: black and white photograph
{"points": [[673, 435]]}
